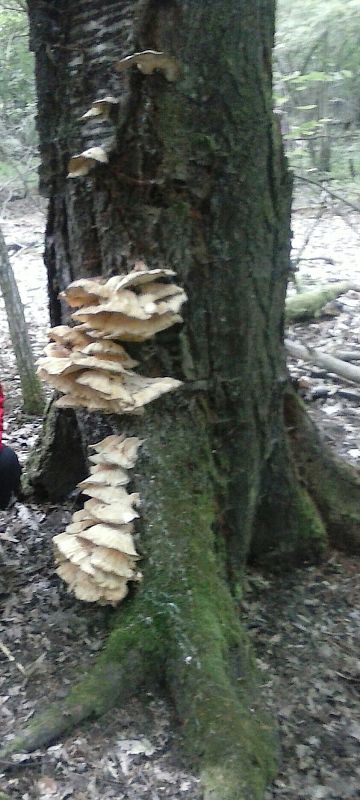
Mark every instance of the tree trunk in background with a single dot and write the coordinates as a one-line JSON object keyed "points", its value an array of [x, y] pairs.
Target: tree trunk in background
{"points": [[196, 181], [33, 400]]}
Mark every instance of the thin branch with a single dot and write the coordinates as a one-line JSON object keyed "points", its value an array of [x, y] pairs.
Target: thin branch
{"points": [[309, 235], [328, 191]]}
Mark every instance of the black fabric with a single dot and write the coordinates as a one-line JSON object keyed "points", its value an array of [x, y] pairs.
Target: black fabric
{"points": [[10, 472]]}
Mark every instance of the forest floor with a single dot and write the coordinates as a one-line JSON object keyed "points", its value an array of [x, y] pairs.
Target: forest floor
{"points": [[304, 626]]}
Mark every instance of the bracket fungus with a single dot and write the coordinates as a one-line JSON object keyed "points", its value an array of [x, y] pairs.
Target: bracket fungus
{"points": [[96, 554], [82, 163], [84, 362], [101, 108], [149, 60]]}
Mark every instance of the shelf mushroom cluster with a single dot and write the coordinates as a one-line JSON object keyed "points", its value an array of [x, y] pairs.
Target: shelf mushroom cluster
{"points": [[101, 118], [96, 554], [87, 365]]}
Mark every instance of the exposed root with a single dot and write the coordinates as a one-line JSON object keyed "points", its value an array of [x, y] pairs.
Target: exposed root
{"points": [[108, 684], [227, 735], [289, 530], [333, 484]]}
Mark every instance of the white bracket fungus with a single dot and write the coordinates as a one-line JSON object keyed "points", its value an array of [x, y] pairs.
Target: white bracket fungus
{"points": [[149, 60], [82, 163], [84, 362], [101, 108], [96, 555]]}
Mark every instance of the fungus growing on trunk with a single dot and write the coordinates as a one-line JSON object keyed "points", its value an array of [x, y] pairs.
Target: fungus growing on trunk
{"points": [[85, 364], [96, 554], [149, 60], [81, 164], [101, 108]]}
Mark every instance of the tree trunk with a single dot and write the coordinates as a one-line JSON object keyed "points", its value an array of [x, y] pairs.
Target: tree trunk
{"points": [[196, 180], [33, 400]]}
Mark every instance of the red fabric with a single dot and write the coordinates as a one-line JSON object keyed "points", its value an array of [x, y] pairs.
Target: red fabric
{"points": [[1, 414]]}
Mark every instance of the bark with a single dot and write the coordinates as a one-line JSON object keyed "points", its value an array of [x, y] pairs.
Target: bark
{"points": [[197, 181], [58, 462], [33, 401]]}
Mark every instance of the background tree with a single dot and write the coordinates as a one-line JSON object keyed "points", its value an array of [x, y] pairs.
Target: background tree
{"points": [[196, 180], [317, 80], [18, 148], [33, 399]]}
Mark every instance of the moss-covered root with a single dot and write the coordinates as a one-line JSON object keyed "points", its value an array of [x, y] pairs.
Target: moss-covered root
{"points": [[110, 682], [214, 683], [289, 529], [333, 484]]}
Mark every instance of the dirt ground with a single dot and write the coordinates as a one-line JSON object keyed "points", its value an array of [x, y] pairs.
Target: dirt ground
{"points": [[304, 626]]}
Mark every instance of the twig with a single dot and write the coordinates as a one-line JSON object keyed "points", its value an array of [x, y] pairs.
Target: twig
{"points": [[10, 657], [317, 258], [308, 237], [329, 191]]}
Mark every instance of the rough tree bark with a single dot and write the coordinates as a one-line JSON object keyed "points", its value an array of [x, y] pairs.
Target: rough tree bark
{"points": [[197, 181]]}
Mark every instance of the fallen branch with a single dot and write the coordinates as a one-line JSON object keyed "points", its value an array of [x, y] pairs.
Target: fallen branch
{"points": [[323, 392], [309, 304], [348, 371], [347, 355], [318, 258]]}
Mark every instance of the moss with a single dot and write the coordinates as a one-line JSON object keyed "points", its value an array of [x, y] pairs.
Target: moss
{"points": [[334, 484], [33, 398], [185, 619], [288, 530]]}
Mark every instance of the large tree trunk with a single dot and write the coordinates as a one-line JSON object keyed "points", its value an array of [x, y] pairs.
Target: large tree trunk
{"points": [[196, 181]]}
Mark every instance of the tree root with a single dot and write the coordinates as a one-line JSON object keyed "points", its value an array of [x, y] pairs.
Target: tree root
{"points": [[216, 694], [109, 683], [288, 530], [122, 668], [181, 629], [211, 676], [333, 484]]}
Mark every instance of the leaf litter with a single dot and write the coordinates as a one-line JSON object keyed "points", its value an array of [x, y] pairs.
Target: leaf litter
{"points": [[304, 626]]}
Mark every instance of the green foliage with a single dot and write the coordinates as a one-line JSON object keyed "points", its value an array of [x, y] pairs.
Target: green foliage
{"points": [[17, 97], [317, 83]]}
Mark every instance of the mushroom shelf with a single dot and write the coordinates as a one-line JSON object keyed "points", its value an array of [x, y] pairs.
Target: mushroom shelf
{"points": [[87, 365], [96, 554]]}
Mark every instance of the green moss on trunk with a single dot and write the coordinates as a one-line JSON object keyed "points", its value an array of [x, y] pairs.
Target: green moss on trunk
{"points": [[289, 529], [189, 617], [181, 626], [333, 484]]}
